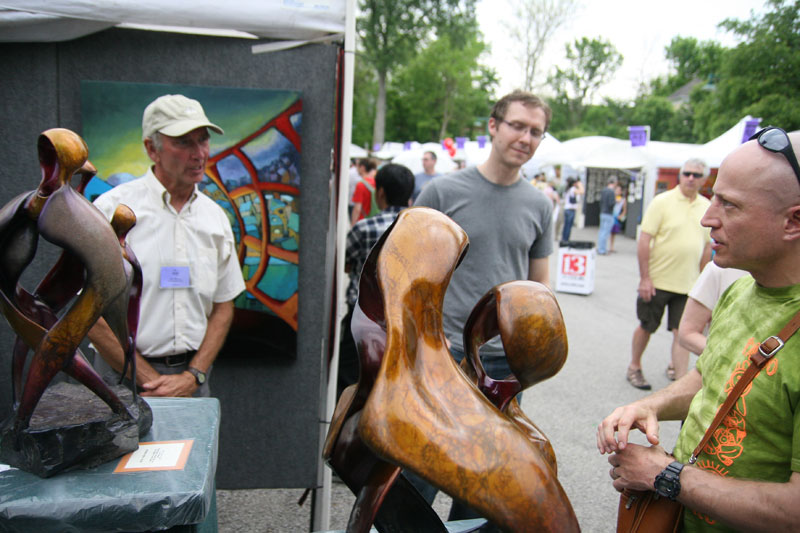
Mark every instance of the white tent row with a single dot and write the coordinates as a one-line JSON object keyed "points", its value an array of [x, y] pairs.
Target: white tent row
{"points": [[583, 152], [473, 153], [609, 152]]}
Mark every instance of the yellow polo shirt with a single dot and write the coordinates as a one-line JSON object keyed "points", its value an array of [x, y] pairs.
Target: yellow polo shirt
{"points": [[678, 239]]}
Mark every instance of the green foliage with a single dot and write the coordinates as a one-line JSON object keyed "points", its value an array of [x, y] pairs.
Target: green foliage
{"points": [[365, 94], [437, 88], [592, 63], [440, 92], [391, 31], [760, 76]]}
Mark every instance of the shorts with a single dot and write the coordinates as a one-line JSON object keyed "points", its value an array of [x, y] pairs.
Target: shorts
{"points": [[650, 313]]}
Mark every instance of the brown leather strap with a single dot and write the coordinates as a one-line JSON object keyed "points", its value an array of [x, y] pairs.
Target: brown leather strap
{"points": [[766, 351]]}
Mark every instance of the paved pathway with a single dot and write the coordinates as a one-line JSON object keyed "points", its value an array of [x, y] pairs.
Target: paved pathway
{"points": [[567, 407]]}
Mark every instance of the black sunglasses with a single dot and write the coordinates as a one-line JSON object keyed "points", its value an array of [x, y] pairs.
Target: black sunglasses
{"points": [[695, 175], [776, 140]]}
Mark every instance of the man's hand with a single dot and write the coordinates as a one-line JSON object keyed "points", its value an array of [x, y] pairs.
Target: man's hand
{"points": [[612, 433], [636, 467], [182, 384], [646, 289]]}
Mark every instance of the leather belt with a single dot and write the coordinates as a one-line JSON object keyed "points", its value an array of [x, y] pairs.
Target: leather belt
{"points": [[177, 359]]}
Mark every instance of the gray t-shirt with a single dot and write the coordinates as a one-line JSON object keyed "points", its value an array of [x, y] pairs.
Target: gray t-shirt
{"points": [[507, 226], [420, 180]]}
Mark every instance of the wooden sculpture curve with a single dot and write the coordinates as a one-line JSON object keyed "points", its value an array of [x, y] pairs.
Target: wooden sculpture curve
{"points": [[528, 319], [383, 497], [424, 414], [65, 218]]}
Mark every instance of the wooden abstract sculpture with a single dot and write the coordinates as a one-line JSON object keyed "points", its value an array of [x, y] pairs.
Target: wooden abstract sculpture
{"points": [[93, 273], [414, 408], [528, 319]]}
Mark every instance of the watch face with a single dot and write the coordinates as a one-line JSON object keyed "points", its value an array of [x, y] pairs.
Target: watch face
{"points": [[199, 377], [665, 486]]}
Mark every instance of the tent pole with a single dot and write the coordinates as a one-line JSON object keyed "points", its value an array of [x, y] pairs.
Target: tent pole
{"points": [[322, 498]]}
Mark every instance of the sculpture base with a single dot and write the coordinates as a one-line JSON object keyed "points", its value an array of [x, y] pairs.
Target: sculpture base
{"points": [[73, 428]]}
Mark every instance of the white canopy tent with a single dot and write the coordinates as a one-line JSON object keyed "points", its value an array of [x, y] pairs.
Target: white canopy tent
{"points": [[716, 150], [60, 20], [356, 151], [292, 24], [412, 158]]}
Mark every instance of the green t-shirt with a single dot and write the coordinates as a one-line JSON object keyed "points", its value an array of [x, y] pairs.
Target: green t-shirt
{"points": [[760, 438]]}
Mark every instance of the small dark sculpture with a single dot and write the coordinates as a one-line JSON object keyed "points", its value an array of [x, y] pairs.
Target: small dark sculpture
{"points": [[414, 408], [97, 273]]}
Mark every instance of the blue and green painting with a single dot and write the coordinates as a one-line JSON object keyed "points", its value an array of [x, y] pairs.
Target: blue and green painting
{"points": [[253, 172]]}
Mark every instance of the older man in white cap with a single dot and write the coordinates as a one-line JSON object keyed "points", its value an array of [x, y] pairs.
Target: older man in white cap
{"points": [[185, 245]]}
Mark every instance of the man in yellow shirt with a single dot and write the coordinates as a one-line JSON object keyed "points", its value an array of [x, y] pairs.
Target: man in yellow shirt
{"points": [[673, 248]]}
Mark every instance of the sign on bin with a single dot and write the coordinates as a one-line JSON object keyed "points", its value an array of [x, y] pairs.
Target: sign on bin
{"points": [[576, 263]]}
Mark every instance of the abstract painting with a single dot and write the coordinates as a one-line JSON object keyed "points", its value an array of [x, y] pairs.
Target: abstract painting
{"points": [[253, 173]]}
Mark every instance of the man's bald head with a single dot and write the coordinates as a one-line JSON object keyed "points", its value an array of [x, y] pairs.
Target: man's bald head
{"points": [[755, 214]]}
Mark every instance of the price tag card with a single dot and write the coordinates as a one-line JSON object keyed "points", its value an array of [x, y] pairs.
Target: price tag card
{"points": [[164, 455]]}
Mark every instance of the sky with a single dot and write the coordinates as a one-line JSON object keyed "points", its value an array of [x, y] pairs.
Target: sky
{"points": [[639, 29]]}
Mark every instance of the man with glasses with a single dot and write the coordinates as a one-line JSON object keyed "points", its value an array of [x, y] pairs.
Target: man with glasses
{"points": [[428, 173], [746, 477], [672, 250], [508, 221]]}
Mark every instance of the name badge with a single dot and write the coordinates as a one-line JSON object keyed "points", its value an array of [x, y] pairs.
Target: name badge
{"points": [[175, 277]]}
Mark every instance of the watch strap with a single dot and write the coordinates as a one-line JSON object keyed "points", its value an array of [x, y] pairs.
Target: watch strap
{"points": [[672, 474], [199, 375]]}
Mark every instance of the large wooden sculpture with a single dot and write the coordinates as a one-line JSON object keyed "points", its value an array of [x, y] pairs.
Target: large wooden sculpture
{"points": [[94, 277], [414, 408]]}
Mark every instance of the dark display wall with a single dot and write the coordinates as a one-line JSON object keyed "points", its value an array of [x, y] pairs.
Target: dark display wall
{"points": [[269, 434]]}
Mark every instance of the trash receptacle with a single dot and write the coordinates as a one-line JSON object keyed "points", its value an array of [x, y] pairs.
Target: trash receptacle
{"points": [[576, 263]]}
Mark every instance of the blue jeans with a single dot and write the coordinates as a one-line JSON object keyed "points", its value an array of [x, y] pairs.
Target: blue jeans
{"points": [[569, 219], [606, 223]]}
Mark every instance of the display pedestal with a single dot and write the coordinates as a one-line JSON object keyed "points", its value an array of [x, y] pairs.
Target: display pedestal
{"points": [[99, 500], [72, 428]]}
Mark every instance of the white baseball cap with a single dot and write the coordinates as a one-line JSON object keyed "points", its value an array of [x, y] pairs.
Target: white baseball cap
{"points": [[175, 115]]}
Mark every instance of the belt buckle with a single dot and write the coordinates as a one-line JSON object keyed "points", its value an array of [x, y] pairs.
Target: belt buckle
{"points": [[175, 360]]}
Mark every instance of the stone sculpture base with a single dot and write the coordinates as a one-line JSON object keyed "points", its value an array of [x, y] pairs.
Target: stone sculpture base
{"points": [[73, 428]]}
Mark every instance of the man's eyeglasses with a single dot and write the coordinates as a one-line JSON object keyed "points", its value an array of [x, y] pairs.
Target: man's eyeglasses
{"points": [[695, 175], [776, 140], [522, 128]]}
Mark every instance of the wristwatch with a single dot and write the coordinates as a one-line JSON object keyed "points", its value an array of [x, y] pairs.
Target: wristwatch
{"points": [[668, 482], [199, 377]]}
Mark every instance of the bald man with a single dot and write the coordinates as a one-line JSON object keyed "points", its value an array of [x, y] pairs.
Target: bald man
{"points": [[746, 478]]}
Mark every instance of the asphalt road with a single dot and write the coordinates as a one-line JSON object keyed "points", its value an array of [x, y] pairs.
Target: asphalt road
{"points": [[567, 407]]}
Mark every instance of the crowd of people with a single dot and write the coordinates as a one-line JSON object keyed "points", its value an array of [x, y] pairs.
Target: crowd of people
{"points": [[745, 478]]}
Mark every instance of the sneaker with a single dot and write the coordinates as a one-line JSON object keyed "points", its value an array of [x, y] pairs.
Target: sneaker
{"points": [[670, 373], [636, 379]]}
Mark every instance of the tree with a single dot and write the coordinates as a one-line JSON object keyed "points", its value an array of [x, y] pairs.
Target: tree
{"points": [[759, 77], [533, 25], [440, 92], [390, 32], [593, 62], [365, 93]]}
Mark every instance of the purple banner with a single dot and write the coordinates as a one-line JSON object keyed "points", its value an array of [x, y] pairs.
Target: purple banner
{"points": [[376, 147], [461, 142], [407, 145], [638, 135], [481, 141], [750, 128]]}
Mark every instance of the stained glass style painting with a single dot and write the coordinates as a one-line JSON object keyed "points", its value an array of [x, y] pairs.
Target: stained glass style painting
{"points": [[253, 173]]}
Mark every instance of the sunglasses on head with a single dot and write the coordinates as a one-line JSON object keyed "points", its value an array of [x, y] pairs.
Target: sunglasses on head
{"points": [[776, 140], [695, 175]]}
